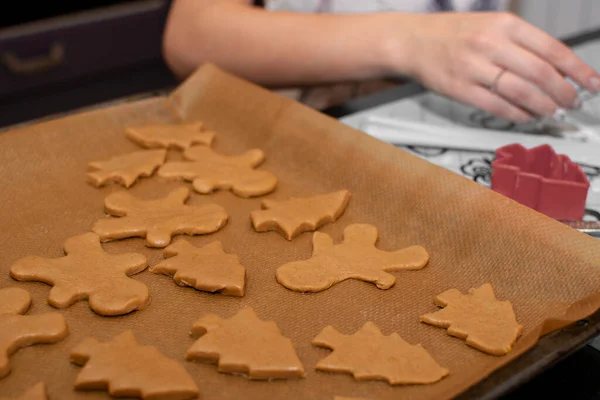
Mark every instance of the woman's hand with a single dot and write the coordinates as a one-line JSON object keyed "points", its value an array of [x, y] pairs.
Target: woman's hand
{"points": [[494, 61]]}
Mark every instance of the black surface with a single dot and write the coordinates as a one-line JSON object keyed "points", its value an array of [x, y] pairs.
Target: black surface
{"points": [[20, 12], [576, 377]]}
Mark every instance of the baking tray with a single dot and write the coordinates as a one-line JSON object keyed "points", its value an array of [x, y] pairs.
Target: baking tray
{"points": [[473, 234]]}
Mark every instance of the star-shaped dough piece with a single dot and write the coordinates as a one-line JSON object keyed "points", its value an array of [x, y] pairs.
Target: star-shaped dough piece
{"points": [[207, 268], [297, 215], [355, 258], [37, 392], [369, 355], [157, 220], [126, 169], [209, 170], [179, 136], [246, 345], [128, 369], [18, 331], [88, 272], [487, 324]]}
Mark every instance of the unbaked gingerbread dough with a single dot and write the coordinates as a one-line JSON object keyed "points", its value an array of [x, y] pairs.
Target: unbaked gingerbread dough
{"points": [[178, 136], [88, 272], [486, 323], [244, 344], [207, 268], [355, 258], [297, 215], [157, 220], [370, 355], [127, 368], [210, 171], [18, 330]]}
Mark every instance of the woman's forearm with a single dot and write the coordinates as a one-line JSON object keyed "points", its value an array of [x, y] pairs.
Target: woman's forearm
{"points": [[281, 48]]}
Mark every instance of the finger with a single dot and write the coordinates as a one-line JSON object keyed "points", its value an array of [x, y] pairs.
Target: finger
{"points": [[522, 93], [532, 68], [557, 54], [513, 88], [482, 98]]}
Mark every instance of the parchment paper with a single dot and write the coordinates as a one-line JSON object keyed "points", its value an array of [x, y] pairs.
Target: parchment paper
{"points": [[550, 272]]}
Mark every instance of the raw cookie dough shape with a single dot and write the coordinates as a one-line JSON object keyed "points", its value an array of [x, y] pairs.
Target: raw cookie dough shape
{"points": [[209, 171], [127, 368], [355, 258], [126, 169], [157, 220], [245, 345], [369, 355], [87, 271], [37, 392], [207, 268], [18, 331], [487, 324], [297, 215], [179, 136]]}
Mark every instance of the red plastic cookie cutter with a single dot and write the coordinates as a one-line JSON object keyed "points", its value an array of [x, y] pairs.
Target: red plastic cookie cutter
{"points": [[541, 179]]}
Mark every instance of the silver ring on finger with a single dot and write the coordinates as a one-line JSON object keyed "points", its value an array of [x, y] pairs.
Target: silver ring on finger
{"points": [[494, 86]]}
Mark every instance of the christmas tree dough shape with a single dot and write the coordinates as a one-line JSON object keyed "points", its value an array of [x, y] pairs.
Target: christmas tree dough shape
{"points": [[18, 331], [207, 268], [37, 392], [158, 220], [246, 345], [126, 169], [487, 324], [179, 136], [88, 272], [369, 355], [209, 170], [297, 215], [355, 258], [128, 369]]}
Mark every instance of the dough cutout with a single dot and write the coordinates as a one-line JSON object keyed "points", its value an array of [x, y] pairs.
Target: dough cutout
{"points": [[487, 324], [369, 355], [245, 345], [206, 268], [126, 169], [126, 368], [88, 272], [209, 171], [179, 136], [18, 330], [297, 215], [355, 258], [36, 392], [157, 220]]}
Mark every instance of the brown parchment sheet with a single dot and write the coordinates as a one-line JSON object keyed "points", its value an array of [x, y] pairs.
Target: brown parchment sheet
{"points": [[550, 272]]}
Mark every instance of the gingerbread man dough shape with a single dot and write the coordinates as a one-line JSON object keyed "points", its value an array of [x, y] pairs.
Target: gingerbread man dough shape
{"points": [[87, 271], [17, 330], [158, 220], [209, 170], [355, 258]]}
